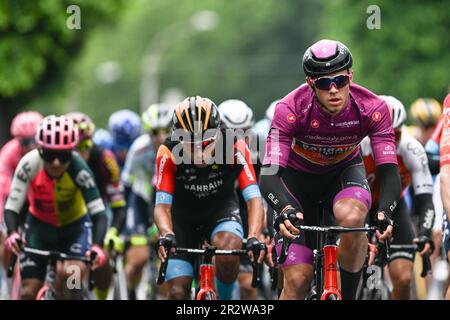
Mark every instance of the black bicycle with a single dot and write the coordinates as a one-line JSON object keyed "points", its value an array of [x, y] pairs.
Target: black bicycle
{"points": [[48, 291], [119, 283]]}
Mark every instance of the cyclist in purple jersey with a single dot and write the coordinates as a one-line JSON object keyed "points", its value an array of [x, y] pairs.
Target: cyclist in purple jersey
{"points": [[313, 156]]}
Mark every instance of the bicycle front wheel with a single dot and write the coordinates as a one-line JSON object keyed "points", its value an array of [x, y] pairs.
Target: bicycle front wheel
{"points": [[209, 296]]}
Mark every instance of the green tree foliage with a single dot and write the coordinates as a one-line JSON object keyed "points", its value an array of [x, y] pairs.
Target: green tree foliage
{"points": [[253, 54], [408, 57], [37, 46]]}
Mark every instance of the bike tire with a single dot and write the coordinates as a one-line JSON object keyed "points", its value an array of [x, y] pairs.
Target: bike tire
{"points": [[333, 297], [46, 294], [208, 296]]}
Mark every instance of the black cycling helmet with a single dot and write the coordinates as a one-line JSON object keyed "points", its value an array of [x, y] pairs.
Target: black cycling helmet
{"points": [[196, 115], [325, 57]]}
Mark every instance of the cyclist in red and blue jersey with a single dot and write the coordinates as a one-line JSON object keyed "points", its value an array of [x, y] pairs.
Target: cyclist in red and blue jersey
{"points": [[103, 164], [313, 156], [61, 190], [196, 198]]}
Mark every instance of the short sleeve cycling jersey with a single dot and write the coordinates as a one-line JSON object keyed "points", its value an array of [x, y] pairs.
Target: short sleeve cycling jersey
{"points": [[10, 156], [306, 138], [55, 201], [196, 187], [104, 165], [412, 163], [139, 167]]}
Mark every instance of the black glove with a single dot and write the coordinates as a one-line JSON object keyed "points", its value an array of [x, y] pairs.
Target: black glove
{"points": [[255, 246], [384, 223], [167, 241], [423, 240], [287, 214]]}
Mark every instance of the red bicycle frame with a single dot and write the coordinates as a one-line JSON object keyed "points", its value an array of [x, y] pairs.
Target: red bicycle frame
{"points": [[207, 291], [330, 286]]}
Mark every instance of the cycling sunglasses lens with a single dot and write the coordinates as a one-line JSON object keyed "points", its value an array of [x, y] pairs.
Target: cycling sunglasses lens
{"points": [[51, 155], [325, 83], [341, 81]]}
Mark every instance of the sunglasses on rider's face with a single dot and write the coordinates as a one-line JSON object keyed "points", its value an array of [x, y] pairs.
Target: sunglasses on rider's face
{"points": [[324, 83], [50, 155], [200, 144]]}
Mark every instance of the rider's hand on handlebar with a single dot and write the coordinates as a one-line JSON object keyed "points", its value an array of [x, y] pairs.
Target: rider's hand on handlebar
{"points": [[100, 259], [254, 246], [13, 242], [425, 244], [164, 244], [113, 236], [385, 225], [286, 221]]}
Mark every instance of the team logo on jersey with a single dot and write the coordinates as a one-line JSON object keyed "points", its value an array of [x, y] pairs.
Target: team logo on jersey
{"points": [[291, 118], [376, 116], [315, 124]]}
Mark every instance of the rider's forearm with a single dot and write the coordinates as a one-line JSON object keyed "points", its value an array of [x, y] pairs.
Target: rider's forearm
{"points": [[11, 221], [390, 187], [445, 188], [423, 204], [100, 223], [163, 218], [119, 215], [274, 190], [255, 210]]}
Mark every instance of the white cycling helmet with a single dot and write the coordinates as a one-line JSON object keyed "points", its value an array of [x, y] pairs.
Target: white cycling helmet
{"points": [[271, 110], [397, 110], [236, 114], [157, 116]]}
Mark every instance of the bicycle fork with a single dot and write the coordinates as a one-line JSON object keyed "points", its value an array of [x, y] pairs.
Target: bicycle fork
{"points": [[206, 281], [330, 253]]}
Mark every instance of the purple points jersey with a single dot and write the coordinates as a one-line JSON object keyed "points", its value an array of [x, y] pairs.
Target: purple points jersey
{"points": [[306, 138]]}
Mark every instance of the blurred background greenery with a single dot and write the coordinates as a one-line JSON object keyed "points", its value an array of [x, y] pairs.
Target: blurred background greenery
{"points": [[130, 53]]}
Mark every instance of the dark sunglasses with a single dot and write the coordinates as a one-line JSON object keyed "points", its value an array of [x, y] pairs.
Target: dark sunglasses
{"points": [[50, 155], [324, 83], [26, 142], [200, 144]]}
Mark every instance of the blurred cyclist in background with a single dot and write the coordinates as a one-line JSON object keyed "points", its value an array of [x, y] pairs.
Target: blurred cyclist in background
{"points": [[425, 113], [236, 114], [124, 126], [414, 172], [139, 178], [104, 165], [23, 130], [103, 138]]}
